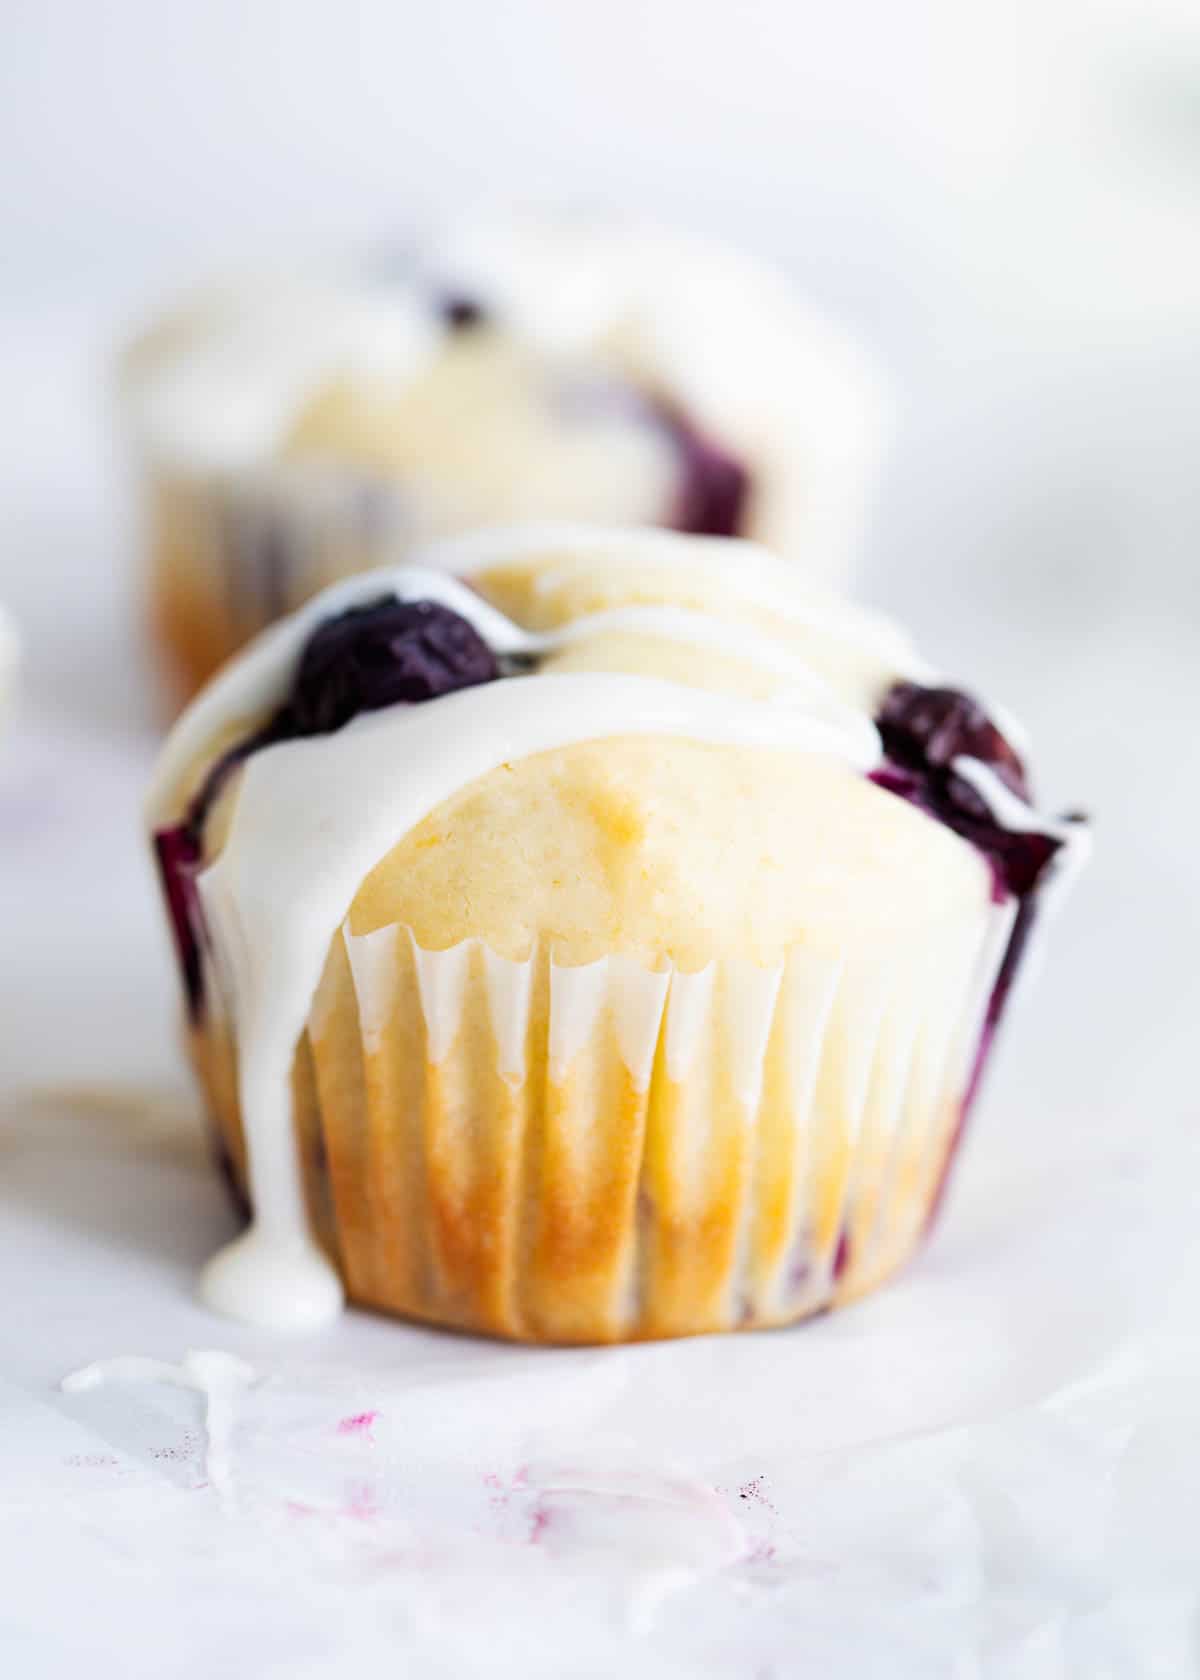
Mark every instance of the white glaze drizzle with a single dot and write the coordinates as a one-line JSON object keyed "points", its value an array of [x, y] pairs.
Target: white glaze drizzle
{"points": [[219, 1377], [743, 570], [1074, 841], [1007, 810], [314, 816], [221, 385]]}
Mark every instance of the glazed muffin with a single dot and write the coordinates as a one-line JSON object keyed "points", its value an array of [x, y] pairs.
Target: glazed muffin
{"points": [[589, 936], [292, 434]]}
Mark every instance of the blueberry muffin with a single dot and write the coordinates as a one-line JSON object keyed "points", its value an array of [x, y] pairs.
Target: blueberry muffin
{"points": [[589, 936], [293, 433]]}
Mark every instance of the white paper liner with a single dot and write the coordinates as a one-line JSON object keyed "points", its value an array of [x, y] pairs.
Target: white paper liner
{"points": [[277, 536], [676, 1153]]}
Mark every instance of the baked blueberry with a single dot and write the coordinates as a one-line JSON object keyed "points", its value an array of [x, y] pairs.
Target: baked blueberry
{"points": [[715, 488], [382, 654], [924, 730], [460, 312], [928, 728]]}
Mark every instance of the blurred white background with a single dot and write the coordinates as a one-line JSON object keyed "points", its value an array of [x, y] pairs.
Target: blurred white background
{"points": [[1004, 200]]}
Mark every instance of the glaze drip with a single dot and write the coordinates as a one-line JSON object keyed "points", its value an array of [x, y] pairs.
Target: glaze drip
{"points": [[219, 1378]]}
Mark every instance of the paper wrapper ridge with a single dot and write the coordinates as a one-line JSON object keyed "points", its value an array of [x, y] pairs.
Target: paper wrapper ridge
{"points": [[606, 1152]]}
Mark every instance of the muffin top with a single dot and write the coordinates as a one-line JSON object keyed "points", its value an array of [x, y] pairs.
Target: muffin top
{"points": [[582, 369], [600, 742]]}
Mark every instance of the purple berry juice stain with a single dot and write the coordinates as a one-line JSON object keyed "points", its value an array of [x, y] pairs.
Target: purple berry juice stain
{"points": [[923, 731], [360, 1425], [714, 489]]}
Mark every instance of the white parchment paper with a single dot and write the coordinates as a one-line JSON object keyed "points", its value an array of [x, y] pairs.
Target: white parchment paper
{"points": [[992, 1468]]}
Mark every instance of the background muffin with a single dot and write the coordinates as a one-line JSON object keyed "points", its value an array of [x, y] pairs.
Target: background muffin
{"points": [[594, 972], [292, 433]]}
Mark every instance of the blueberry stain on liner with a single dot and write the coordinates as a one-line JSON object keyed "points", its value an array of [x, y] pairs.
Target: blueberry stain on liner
{"points": [[924, 731]]}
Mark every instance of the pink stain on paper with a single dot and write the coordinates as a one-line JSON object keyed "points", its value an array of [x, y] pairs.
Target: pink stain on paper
{"points": [[361, 1504], [540, 1519], [360, 1424]]}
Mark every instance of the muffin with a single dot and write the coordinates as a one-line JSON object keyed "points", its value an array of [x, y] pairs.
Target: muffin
{"points": [[589, 936], [293, 433]]}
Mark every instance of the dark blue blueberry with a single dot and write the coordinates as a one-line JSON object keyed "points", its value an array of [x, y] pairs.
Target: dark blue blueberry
{"points": [[386, 653], [923, 731], [928, 728], [714, 489], [460, 312]]}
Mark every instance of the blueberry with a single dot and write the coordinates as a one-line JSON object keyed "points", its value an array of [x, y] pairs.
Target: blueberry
{"points": [[383, 654], [460, 312], [715, 488], [923, 731], [931, 727], [177, 852]]}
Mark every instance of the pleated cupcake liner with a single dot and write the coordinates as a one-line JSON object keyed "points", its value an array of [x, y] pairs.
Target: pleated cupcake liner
{"points": [[231, 553], [608, 1152]]}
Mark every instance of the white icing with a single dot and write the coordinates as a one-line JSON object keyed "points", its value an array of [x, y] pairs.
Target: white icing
{"points": [[219, 1377], [746, 571], [221, 392], [314, 816], [1008, 811], [258, 678]]}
